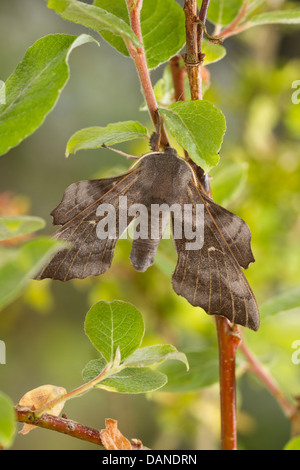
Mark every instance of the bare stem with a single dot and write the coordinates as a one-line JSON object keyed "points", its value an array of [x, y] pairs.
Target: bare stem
{"points": [[138, 56], [78, 392], [66, 426], [229, 340], [192, 56], [178, 74], [61, 425]]}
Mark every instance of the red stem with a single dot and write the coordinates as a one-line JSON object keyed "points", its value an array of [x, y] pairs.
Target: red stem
{"points": [[235, 27], [229, 340], [178, 74], [257, 368], [139, 58]]}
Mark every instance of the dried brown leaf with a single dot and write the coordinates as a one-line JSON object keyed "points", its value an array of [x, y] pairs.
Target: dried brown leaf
{"points": [[38, 397], [112, 438]]}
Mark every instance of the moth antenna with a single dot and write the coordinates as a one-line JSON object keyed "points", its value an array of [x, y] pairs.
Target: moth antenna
{"points": [[130, 157], [138, 159]]}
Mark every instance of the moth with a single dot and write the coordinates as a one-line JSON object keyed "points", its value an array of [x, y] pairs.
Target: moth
{"points": [[210, 277]]}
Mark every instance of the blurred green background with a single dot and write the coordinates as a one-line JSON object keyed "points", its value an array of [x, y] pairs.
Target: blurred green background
{"points": [[257, 178]]}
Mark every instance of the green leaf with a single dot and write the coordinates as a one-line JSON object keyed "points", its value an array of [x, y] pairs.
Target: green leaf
{"points": [[288, 17], [203, 372], [153, 355], [128, 380], [223, 12], [199, 128], [93, 17], [293, 444], [34, 87], [95, 137], [228, 181], [276, 17], [163, 30], [19, 266], [110, 325], [162, 25], [93, 369], [11, 227], [7, 421], [253, 5], [2, 92], [282, 302], [165, 262], [213, 52], [134, 380], [118, 8]]}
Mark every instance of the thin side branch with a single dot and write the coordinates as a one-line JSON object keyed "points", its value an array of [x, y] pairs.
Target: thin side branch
{"points": [[235, 26], [77, 392], [201, 25], [258, 369]]}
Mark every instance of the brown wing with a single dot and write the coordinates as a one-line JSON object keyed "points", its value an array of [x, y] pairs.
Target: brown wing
{"points": [[211, 277], [88, 255]]}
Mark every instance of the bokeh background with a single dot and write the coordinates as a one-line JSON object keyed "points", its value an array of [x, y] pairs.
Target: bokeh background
{"points": [[258, 179]]}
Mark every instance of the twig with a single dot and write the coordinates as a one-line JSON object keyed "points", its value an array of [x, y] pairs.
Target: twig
{"points": [[68, 427], [139, 58], [212, 38], [119, 152], [61, 425]]}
